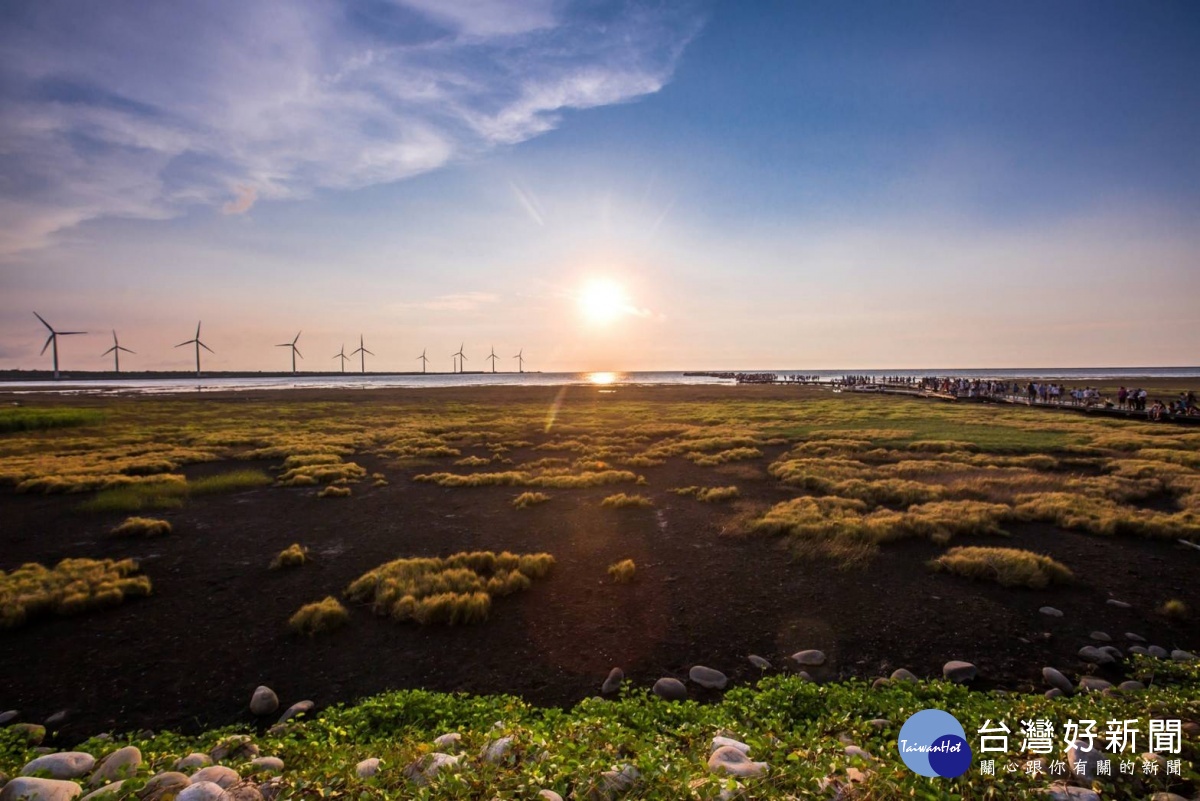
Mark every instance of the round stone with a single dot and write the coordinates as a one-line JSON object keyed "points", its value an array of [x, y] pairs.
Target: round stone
{"points": [[64, 765], [164, 784], [8, 717], [1158, 652], [1090, 653], [203, 791], [1100, 636], [1117, 604], [670, 689], [1129, 635], [264, 701], [297, 709], [613, 683], [1088, 760], [809, 658], [728, 759], [1057, 680], [1093, 684], [193, 762], [367, 768], [449, 743], [728, 742], [1131, 686], [708, 678], [120, 764], [267, 763], [217, 774], [959, 672], [549, 795], [30, 788], [903, 674], [759, 662], [1180, 655], [1050, 611]]}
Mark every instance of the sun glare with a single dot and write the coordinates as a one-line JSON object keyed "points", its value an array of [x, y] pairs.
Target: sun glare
{"points": [[602, 301], [602, 379]]}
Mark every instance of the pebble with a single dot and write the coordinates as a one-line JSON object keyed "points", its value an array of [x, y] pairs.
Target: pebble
{"points": [[1163, 796], [120, 764], [614, 783], [1158, 652], [1054, 692], [759, 662], [217, 774], [959, 672], [65, 765], [1180, 655], [728, 742], [57, 719], [297, 709], [30, 788], [903, 674], [272, 764], [549, 795], [879, 723], [1113, 651], [498, 750], [1088, 760], [880, 683], [1131, 686], [167, 783], [1139, 649], [1129, 635], [245, 791], [449, 742], [203, 791], [426, 768], [809, 658], [1118, 604], [613, 682], [1050, 611], [804, 675], [8, 717], [108, 791], [1100, 636], [271, 788], [730, 760], [1066, 792], [670, 689], [1090, 653], [264, 701], [1092, 684], [708, 677], [193, 761], [238, 748], [367, 768], [32, 732], [854, 752], [1057, 680]]}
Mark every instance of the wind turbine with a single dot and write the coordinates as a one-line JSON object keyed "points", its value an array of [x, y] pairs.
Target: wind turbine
{"points": [[520, 360], [198, 345], [462, 357], [493, 358], [115, 350], [295, 351], [341, 354], [364, 354], [53, 340], [422, 360]]}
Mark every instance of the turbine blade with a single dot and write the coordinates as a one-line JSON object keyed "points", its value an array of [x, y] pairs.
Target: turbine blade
{"points": [[206, 347], [284, 345], [49, 339], [298, 353], [297, 339], [69, 333], [43, 319], [127, 350], [110, 350], [181, 344], [369, 353], [198, 329]]}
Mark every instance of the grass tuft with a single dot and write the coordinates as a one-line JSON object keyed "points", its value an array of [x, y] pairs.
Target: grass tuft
{"points": [[233, 481], [333, 491], [1010, 567], [72, 586], [142, 527], [709, 494], [623, 572], [526, 499], [623, 501], [1175, 609], [292, 556], [319, 617]]}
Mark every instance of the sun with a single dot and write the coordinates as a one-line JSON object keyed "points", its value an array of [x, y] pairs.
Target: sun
{"points": [[602, 301]]}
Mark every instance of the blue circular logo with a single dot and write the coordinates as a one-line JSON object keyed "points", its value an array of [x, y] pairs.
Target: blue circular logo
{"points": [[933, 743]]}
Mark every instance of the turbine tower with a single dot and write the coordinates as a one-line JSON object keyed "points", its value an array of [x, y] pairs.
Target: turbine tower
{"points": [[341, 354], [363, 354], [198, 345], [520, 360], [53, 340], [492, 358], [295, 351], [115, 350], [462, 357], [422, 360]]}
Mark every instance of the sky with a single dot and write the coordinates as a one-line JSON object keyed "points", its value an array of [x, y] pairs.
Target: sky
{"points": [[631, 185]]}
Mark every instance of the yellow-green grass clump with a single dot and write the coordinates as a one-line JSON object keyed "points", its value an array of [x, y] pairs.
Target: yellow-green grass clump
{"points": [[165, 492], [520, 478], [142, 527], [1098, 515], [334, 491], [623, 501], [320, 617], [526, 499], [709, 494], [623, 572], [292, 556], [1009, 567], [232, 481], [1174, 609], [455, 590], [72, 586], [722, 457], [472, 461], [307, 475]]}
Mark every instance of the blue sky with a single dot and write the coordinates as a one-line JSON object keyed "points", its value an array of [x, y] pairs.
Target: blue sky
{"points": [[786, 185]]}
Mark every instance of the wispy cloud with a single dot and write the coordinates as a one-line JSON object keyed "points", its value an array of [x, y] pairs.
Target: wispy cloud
{"points": [[459, 302], [120, 109]]}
